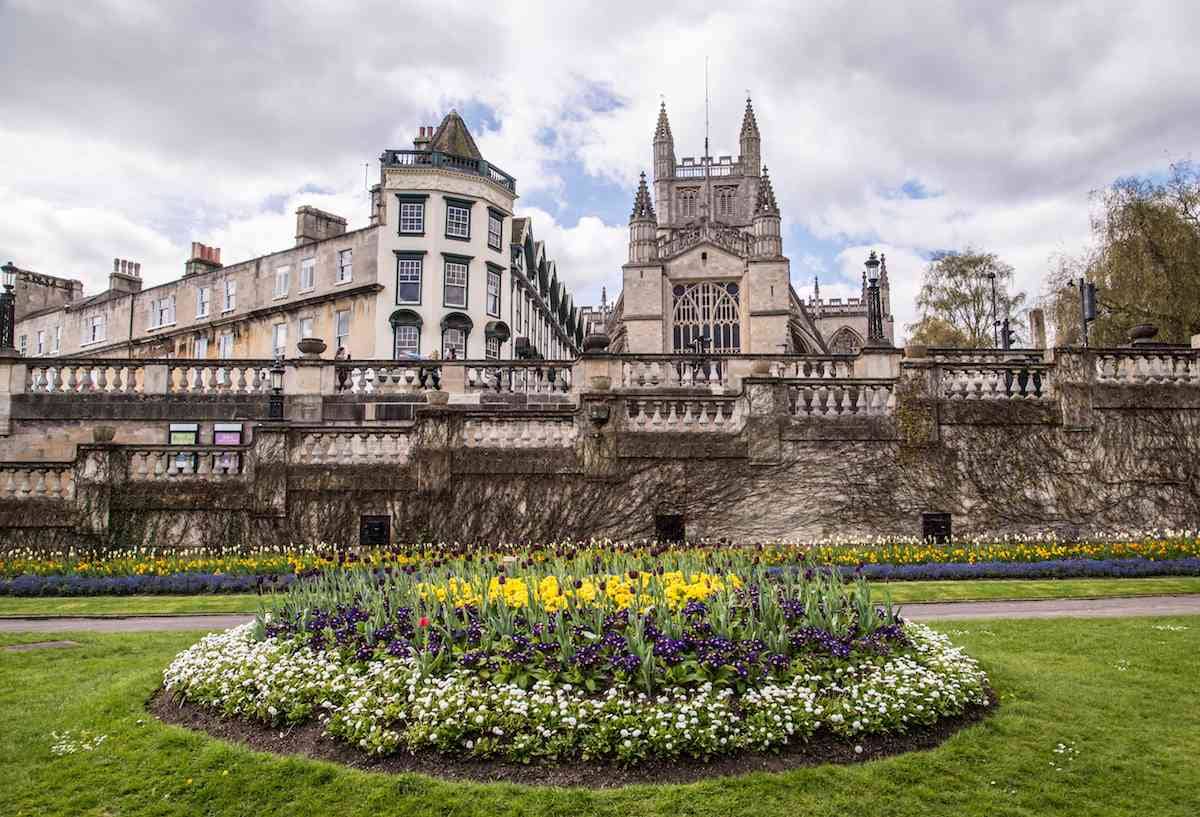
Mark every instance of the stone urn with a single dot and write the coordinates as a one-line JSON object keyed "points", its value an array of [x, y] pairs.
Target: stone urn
{"points": [[1142, 334], [601, 382], [311, 347], [437, 397], [103, 434]]}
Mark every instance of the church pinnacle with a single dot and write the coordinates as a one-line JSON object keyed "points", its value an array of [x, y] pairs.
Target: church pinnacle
{"points": [[663, 129], [749, 123], [643, 208], [766, 204]]}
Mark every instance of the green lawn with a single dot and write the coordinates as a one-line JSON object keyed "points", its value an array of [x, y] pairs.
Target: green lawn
{"points": [[1121, 692], [902, 593]]}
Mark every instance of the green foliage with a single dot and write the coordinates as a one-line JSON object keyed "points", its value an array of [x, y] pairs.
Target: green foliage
{"points": [[1145, 261], [956, 300], [1117, 691]]}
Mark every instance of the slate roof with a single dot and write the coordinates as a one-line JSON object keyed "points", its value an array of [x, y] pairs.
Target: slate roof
{"points": [[453, 137]]}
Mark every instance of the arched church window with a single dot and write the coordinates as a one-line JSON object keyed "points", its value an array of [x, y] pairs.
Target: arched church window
{"points": [[706, 317], [845, 341]]}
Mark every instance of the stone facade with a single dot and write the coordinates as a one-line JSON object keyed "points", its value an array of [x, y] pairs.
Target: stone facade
{"points": [[749, 448], [339, 285], [706, 268]]}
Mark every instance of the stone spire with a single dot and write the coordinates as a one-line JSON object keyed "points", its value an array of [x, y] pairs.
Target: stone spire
{"points": [[643, 207], [767, 241], [749, 123], [643, 227], [751, 144], [766, 196], [883, 279], [663, 129]]}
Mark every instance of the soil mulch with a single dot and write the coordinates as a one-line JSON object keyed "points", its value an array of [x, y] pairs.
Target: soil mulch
{"points": [[307, 740]]}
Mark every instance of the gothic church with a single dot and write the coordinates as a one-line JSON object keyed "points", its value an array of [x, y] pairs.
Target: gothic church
{"points": [[706, 270]]}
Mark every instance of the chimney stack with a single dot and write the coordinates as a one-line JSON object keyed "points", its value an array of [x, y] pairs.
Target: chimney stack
{"points": [[203, 259], [125, 277], [314, 225], [424, 135]]}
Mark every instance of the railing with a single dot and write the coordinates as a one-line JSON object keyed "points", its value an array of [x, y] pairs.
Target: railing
{"points": [[527, 377], [508, 376], [351, 447], [812, 367], [714, 171], [84, 376], [955, 355], [675, 414], [673, 371], [730, 238], [463, 164], [156, 463], [219, 377], [387, 377], [1137, 366], [850, 398], [505, 432], [37, 480], [996, 381]]}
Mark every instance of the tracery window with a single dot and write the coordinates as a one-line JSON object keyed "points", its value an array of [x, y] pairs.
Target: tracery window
{"points": [[688, 202], [727, 202], [845, 341], [707, 311]]}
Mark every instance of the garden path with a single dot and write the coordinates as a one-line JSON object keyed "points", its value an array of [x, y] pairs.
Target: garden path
{"points": [[1055, 608]]}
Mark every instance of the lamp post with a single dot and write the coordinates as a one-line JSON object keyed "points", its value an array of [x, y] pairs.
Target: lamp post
{"points": [[875, 335], [8, 311], [275, 407]]}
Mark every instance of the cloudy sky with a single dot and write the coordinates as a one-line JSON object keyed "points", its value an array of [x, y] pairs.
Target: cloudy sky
{"points": [[132, 128]]}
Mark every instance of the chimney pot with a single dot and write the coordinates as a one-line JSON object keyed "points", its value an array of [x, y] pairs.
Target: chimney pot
{"points": [[124, 266], [217, 255], [116, 264], [137, 270]]}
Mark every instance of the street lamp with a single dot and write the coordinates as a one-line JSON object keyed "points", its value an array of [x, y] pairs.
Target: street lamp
{"points": [[8, 310], [275, 407], [875, 335]]}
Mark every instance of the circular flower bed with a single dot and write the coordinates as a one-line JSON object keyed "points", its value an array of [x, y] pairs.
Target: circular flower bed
{"points": [[620, 658]]}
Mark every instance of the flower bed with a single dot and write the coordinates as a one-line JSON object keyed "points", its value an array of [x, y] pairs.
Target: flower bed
{"points": [[619, 657], [277, 560], [203, 583]]}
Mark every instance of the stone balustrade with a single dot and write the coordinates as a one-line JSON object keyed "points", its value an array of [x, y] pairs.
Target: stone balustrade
{"points": [[219, 377], [516, 432], [37, 480], [847, 398], [673, 371], [518, 377], [1011, 380], [671, 414], [357, 446], [387, 377], [1145, 366], [952, 355], [84, 376], [158, 463]]}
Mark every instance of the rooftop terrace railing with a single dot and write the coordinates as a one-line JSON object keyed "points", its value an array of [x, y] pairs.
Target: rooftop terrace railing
{"points": [[449, 161]]}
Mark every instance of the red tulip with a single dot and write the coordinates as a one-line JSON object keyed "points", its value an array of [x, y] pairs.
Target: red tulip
{"points": [[424, 622]]}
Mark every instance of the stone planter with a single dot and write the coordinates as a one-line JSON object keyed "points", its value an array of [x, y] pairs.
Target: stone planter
{"points": [[311, 347], [103, 434], [601, 382], [437, 397], [1142, 333]]}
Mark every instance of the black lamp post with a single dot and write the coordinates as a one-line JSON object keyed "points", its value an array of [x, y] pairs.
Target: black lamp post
{"points": [[275, 408], [875, 335], [8, 311]]}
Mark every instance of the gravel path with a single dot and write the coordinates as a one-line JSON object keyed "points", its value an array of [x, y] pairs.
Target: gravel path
{"points": [[1061, 608]]}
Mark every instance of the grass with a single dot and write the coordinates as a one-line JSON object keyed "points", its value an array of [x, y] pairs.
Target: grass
{"points": [[1121, 691], [901, 592]]}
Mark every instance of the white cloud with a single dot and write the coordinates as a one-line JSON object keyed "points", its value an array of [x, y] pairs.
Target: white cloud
{"points": [[173, 125]]}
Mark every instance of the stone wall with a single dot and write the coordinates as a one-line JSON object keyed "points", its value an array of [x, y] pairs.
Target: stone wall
{"points": [[794, 449]]}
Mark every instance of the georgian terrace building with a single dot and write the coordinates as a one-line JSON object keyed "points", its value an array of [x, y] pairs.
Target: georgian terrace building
{"points": [[443, 270]]}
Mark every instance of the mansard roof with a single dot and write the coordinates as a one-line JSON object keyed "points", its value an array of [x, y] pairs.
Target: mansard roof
{"points": [[453, 137]]}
